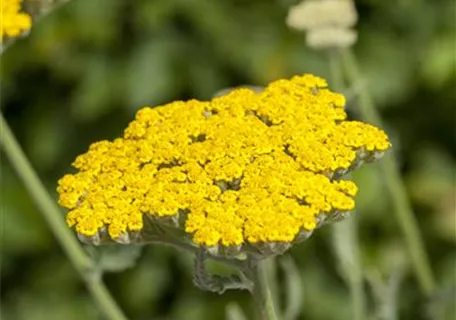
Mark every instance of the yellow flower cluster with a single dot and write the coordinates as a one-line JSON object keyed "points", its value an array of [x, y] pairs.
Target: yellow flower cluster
{"points": [[244, 168], [13, 22]]}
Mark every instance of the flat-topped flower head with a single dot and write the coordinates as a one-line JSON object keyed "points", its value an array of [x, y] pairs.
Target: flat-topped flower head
{"points": [[243, 170], [13, 21]]}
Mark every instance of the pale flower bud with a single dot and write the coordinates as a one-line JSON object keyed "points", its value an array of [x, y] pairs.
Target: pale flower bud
{"points": [[331, 37], [315, 14]]}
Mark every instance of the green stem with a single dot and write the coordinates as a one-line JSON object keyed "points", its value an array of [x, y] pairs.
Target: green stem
{"points": [[53, 216], [346, 232], [335, 69], [395, 186], [261, 292], [270, 269], [345, 242]]}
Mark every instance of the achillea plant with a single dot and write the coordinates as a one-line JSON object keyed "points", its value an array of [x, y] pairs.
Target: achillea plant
{"points": [[13, 20], [238, 179], [244, 175]]}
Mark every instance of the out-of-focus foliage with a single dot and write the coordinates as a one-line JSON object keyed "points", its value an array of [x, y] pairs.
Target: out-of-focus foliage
{"points": [[87, 67]]}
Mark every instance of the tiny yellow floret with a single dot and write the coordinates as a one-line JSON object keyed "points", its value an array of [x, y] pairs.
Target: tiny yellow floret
{"points": [[13, 21]]}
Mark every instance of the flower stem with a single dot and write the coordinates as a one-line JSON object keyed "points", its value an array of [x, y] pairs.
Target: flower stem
{"points": [[345, 243], [53, 216], [346, 232], [335, 68], [261, 292], [395, 186]]}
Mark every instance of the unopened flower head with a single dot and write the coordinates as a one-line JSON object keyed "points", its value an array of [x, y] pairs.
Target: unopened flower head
{"points": [[314, 14], [331, 37], [13, 21], [244, 170], [328, 23]]}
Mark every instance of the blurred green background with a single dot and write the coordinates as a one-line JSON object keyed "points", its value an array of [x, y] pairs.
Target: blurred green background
{"points": [[86, 68]]}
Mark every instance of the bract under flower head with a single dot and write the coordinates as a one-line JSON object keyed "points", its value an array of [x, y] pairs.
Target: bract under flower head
{"points": [[245, 169]]}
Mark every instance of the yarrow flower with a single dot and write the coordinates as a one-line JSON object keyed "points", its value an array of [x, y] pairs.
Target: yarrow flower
{"points": [[244, 171], [13, 21]]}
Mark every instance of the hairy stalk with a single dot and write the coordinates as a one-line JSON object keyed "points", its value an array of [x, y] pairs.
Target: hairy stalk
{"points": [[293, 288], [261, 292], [336, 72], [234, 312], [345, 235], [53, 216], [345, 243], [270, 266], [395, 186]]}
